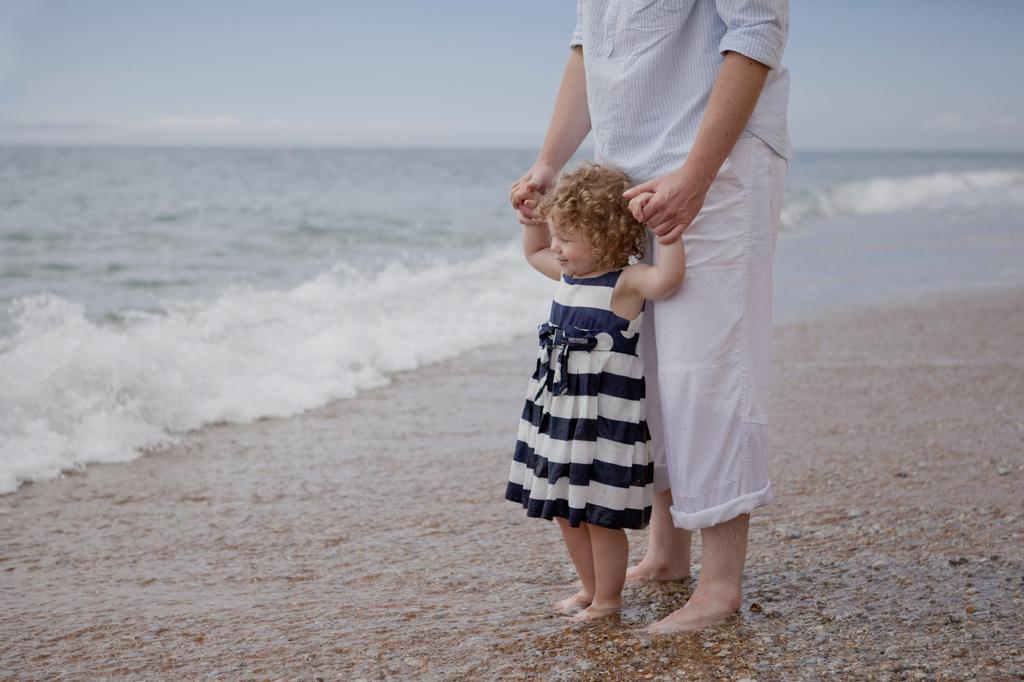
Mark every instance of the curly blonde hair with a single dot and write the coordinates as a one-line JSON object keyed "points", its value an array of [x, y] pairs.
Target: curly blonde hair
{"points": [[588, 201]]}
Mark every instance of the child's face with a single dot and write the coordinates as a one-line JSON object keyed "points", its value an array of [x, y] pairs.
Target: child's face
{"points": [[574, 253]]}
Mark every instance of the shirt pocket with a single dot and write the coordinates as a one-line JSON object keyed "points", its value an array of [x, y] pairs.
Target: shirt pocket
{"points": [[644, 24], [655, 15]]}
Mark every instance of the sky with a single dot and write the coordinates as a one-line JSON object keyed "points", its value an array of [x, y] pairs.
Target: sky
{"points": [[866, 74]]}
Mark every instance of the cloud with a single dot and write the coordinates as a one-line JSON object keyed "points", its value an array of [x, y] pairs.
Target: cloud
{"points": [[195, 123], [49, 126], [228, 123], [218, 129], [211, 124], [975, 122]]}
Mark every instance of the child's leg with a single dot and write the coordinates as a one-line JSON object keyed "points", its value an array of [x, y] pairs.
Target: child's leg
{"points": [[611, 554], [577, 541]]}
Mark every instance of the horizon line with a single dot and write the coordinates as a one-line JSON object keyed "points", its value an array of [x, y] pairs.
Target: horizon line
{"points": [[435, 146]]}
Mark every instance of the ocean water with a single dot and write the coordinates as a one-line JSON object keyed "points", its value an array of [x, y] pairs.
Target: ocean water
{"points": [[145, 293]]}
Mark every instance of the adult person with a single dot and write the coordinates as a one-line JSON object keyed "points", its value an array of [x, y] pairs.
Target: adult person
{"points": [[689, 98]]}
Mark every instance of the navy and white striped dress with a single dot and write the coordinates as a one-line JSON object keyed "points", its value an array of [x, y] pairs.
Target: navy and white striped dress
{"points": [[582, 451]]}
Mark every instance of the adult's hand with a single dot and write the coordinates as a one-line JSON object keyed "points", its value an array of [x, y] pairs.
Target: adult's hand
{"points": [[527, 191], [677, 198], [679, 195]]}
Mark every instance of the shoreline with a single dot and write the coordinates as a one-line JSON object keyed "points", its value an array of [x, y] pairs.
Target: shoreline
{"points": [[383, 549]]}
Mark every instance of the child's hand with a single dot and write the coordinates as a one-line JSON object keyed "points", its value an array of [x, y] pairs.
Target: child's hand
{"points": [[637, 203], [526, 208], [526, 192]]}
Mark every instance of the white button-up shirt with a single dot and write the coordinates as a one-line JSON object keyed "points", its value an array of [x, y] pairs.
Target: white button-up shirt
{"points": [[650, 66]]}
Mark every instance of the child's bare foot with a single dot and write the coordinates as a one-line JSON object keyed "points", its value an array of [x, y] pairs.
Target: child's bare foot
{"points": [[598, 611], [575, 603]]}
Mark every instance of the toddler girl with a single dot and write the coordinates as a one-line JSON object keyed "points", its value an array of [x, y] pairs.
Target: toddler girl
{"points": [[582, 455]]}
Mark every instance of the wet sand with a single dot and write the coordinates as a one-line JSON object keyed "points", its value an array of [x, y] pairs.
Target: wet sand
{"points": [[369, 539]]}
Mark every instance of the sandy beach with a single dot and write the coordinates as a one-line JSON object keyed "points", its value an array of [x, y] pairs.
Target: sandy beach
{"points": [[369, 539], [266, 331]]}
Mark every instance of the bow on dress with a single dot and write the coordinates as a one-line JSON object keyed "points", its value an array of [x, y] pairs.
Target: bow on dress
{"points": [[557, 342]]}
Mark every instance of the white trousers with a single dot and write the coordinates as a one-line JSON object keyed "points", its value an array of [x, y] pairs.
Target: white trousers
{"points": [[707, 349]]}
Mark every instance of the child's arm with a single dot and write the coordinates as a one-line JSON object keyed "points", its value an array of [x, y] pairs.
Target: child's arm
{"points": [[659, 281], [537, 249]]}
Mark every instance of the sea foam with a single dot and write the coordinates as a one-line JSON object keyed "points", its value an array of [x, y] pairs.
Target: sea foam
{"points": [[967, 189], [75, 391]]}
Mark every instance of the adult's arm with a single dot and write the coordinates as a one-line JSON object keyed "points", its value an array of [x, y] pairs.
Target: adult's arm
{"points": [[569, 125], [752, 46], [679, 195]]}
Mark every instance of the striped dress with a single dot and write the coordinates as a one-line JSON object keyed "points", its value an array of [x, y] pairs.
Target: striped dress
{"points": [[582, 449]]}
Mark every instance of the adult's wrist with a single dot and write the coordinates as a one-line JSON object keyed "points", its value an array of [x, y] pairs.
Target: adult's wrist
{"points": [[696, 172], [545, 164]]}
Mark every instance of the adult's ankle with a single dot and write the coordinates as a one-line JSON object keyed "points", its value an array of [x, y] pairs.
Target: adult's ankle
{"points": [[727, 594]]}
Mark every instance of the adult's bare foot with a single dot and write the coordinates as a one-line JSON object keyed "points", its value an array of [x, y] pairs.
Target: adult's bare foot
{"points": [[575, 603], [702, 610], [597, 612], [659, 571]]}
